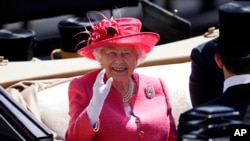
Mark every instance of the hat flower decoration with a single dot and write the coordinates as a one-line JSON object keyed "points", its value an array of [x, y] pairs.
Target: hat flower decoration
{"points": [[120, 31], [103, 30]]}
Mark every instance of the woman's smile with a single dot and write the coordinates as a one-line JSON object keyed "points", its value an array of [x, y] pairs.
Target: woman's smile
{"points": [[119, 69]]}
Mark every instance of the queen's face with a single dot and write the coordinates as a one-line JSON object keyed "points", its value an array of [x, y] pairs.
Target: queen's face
{"points": [[119, 61]]}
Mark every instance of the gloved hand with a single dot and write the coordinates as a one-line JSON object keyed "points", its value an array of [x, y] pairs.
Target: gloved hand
{"points": [[100, 92]]}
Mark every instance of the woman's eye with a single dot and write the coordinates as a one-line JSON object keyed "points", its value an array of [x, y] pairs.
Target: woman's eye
{"points": [[112, 53], [126, 53]]}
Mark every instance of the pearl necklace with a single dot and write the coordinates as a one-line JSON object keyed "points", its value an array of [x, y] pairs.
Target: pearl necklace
{"points": [[130, 92]]}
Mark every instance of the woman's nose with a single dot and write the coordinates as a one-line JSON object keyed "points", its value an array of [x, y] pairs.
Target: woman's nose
{"points": [[119, 58]]}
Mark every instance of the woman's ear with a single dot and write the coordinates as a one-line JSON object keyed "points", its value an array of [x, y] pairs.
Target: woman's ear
{"points": [[218, 61]]}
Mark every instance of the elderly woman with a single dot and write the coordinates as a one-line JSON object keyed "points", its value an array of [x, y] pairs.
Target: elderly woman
{"points": [[114, 103]]}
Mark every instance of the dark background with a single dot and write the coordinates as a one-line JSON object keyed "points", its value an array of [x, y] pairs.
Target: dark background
{"points": [[43, 16]]}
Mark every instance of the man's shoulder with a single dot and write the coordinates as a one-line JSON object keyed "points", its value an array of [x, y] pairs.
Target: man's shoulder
{"points": [[207, 46]]}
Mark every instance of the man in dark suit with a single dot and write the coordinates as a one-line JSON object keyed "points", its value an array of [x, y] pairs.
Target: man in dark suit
{"points": [[206, 78], [233, 58]]}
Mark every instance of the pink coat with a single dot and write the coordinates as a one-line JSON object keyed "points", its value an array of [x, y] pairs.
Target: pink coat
{"points": [[154, 115]]}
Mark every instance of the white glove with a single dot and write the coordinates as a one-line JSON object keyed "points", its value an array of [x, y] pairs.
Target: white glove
{"points": [[100, 92]]}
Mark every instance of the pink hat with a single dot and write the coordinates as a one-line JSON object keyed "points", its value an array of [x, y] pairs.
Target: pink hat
{"points": [[118, 31]]}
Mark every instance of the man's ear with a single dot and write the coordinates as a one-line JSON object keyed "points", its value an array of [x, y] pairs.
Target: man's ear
{"points": [[218, 61]]}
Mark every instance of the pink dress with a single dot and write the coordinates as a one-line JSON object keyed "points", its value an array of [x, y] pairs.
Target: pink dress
{"points": [[151, 118]]}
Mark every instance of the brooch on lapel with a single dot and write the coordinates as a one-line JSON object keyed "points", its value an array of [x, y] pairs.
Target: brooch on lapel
{"points": [[150, 91]]}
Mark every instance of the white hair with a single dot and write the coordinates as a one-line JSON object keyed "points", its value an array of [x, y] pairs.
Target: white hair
{"points": [[141, 54]]}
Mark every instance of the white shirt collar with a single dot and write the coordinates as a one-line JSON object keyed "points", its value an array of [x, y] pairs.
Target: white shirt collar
{"points": [[236, 80]]}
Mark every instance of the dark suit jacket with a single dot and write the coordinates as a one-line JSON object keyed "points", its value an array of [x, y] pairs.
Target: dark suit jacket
{"points": [[237, 97], [206, 78]]}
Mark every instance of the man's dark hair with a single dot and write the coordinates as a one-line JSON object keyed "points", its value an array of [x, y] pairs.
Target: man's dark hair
{"points": [[236, 66]]}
